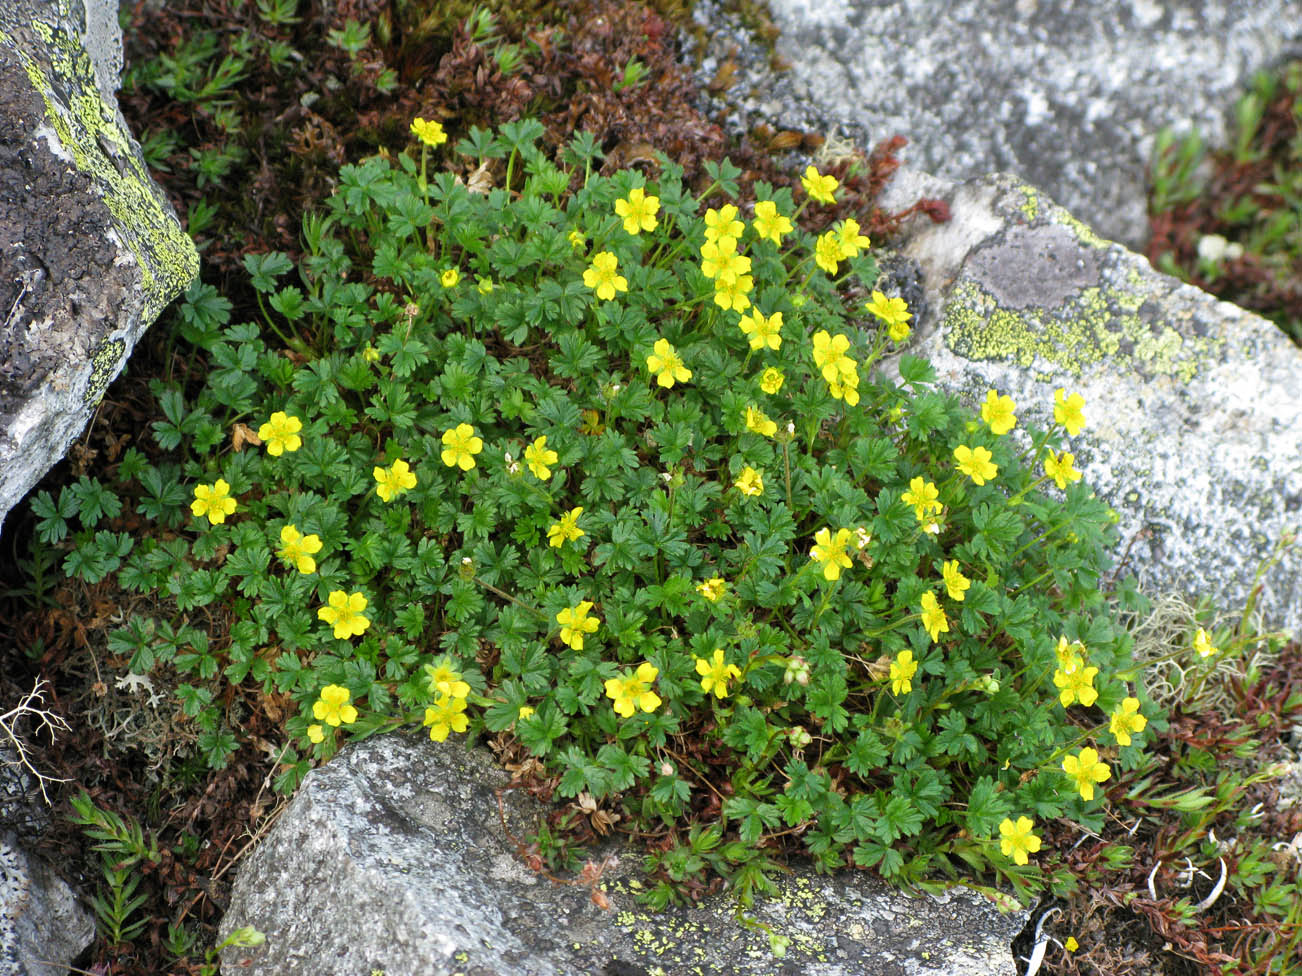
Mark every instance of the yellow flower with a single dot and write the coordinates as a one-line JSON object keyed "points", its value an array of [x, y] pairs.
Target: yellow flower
{"points": [[733, 294], [903, 668], [430, 133], [1203, 644], [371, 354], [602, 277], [722, 225], [1067, 410], [1076, 684], [1071, 945], [344, 614], [395, 480], [997, 411], [830, 551], [537, 456], [666, 365], [893, 311], [713, 588], [716, 674], [445, 716], [758, 422], [442, 679], [851, 241], [575, 622], [525, 712], [315, 734], [449, 278], [955, 582], [460, 445], [1016, 839], [298, 549], [771, 380], [333, 708], [638, 211], [280, 433], [576, 239], [751, 482], [933, 616], [1126, 720], [762, 331], [769, 224], [923, 496], [720, 260], [828, 252], [566, 530], [818, 186], [1086, 770], [1070, 656], [1060, 468], [975, 463], [634, 692], [845, 387], [213, 500]]}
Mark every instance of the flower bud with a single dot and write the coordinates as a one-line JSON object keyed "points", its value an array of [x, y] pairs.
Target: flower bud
{"points": [[799, 737]]}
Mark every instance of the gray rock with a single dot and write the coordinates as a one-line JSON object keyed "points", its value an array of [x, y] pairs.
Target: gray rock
{"points": [[1194, 429], [392, 857], [42, 926], [90, 250], [1069, 95]]}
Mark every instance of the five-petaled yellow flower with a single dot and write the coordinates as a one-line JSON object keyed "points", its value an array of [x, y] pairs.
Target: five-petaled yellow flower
{"points": [[638, 211], [721, 263], [1016, 839], [933, 616], [763, 331], [1203, 644], [750, 482], [851, 241], [1086, 769], [894, 312], [923, 496], [634, 692], [315, 734], [538, 456], [298, 549], [666, 365], [830, 355], [344, 614], [956, 583], [733, 294], [1067, 410], [771, 380], [828, 252], [566, 530], [713, 588], [575, 622], [1076, 683], [769, 224], [830, 551], [997, 411], [722, 225], [602, 276], [758, 422], [716, 674], [450, 278], [975, 463], [428, 132], [280, 433], [818, 186], [903, 668], [333, 708], [395, 480], [442, 679], [1060, 469], [213, 500], [1126, 720], [460, 445], [445, 716]]}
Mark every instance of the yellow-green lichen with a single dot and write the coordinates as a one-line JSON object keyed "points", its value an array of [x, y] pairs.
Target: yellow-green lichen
{"points": [[1084, 233], [1030, 206], [105, 361]]}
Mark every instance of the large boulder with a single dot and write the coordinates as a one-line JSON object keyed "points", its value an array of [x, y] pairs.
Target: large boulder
{"points": [[42, 926], [1068, 95], [1194, 416], [90, 249], [394, 857]]}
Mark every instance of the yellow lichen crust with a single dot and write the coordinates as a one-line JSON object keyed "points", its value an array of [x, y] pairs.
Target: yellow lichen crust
{"points": [[1030, 205], [80, 126], [105, 361]]}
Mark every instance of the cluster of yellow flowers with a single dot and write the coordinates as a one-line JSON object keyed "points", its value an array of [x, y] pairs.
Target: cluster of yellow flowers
{"points": [[333, 708], [448, 713], [838, 368]]}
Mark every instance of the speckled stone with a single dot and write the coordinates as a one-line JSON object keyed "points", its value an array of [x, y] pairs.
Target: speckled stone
{"points": [[1068, 94], [392, 857], [1194, 431], [42, 925]]}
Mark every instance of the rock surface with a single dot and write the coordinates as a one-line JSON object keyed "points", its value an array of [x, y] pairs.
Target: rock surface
{"points": [[42, 927], [1069, 95], [90, 250], [1194, 429], [393, 857]]}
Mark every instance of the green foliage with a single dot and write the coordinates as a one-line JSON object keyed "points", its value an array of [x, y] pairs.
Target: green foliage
{"points": [[122, 846], [491, 462]]}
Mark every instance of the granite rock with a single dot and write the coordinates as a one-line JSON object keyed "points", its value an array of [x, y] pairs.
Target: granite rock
{"points": [[42, 926], [90, 249], [393, 857]]}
